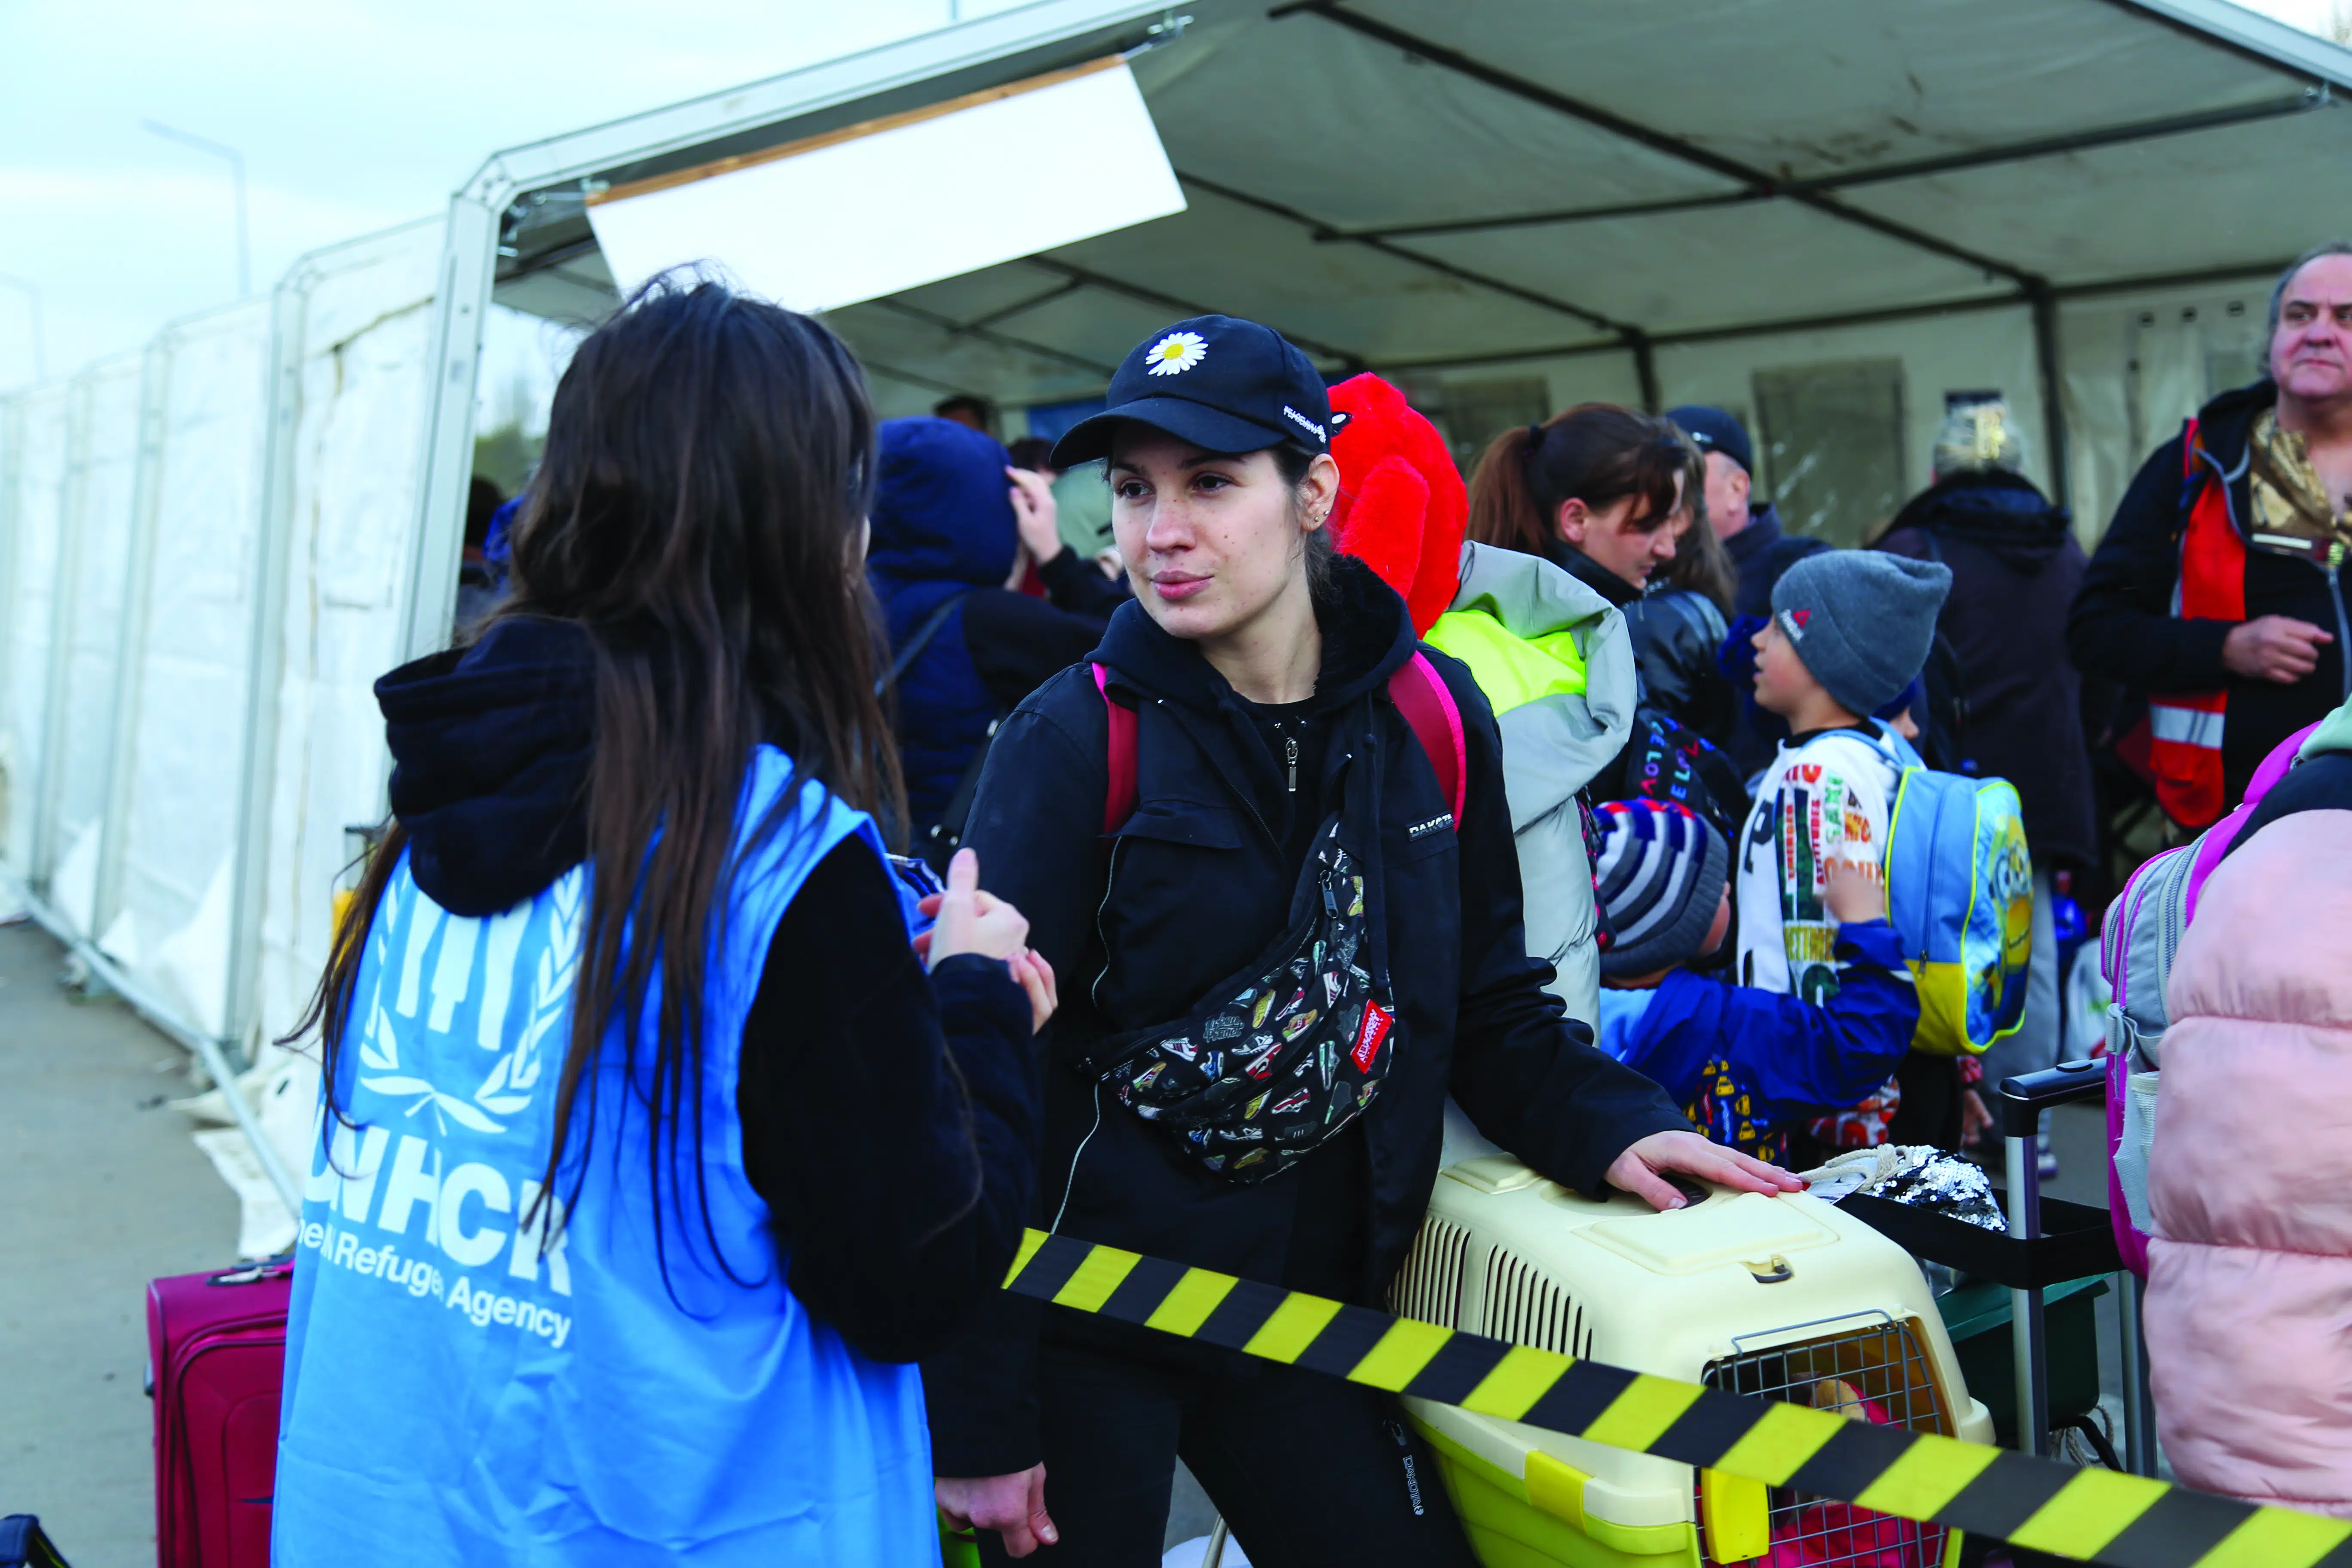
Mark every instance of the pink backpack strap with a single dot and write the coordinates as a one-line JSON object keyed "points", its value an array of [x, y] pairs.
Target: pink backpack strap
{"points": [[2215, 841], [1118, 799], [1421, 695]]}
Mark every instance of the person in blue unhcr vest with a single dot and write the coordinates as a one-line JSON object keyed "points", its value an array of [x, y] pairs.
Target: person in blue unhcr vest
{"points": [[1265, 837], [650, 1160]]}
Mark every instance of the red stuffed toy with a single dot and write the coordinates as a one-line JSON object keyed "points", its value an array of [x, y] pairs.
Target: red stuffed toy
{"points": [[1401, 504]]}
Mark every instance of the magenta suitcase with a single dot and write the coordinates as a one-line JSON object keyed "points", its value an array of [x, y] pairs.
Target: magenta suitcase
{"points": [[216, 1362]]}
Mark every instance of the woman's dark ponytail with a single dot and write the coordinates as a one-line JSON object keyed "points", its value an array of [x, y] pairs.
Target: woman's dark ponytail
{"points": [[1503, 510], [1598, 453]]}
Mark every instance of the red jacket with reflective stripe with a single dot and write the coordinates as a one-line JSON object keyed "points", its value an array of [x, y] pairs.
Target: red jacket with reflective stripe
{"points": [[2145, 622]]}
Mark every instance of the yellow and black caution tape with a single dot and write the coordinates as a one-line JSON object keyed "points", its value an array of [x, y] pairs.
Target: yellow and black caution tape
{"points": [[2089, 1515]]}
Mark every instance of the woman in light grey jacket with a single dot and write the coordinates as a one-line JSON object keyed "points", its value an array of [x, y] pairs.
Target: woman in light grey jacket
{"points": [[1555, 659]]}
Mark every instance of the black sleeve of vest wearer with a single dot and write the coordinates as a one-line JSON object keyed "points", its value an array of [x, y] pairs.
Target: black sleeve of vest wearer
{"points": [[1018, 643], [1035, 825], [1077, 585], [2122, 625], [1530, 1079], [889, 1120]]}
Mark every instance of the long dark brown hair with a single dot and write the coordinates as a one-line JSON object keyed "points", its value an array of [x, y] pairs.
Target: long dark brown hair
{"points": [[1701, 563], [699, 515], [1598, 453]]}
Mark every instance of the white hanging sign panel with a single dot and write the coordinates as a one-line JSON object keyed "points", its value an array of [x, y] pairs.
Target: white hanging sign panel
{"points": [[892, 203]]}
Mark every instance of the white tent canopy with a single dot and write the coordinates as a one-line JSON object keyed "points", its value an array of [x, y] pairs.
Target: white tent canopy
{"points": [[1425, 189]]}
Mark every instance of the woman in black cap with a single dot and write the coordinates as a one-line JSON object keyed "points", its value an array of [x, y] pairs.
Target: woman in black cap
{"points": [[1263, 837]]}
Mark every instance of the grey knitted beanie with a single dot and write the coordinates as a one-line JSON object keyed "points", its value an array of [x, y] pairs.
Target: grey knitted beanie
{"points": [[1861, 620]]}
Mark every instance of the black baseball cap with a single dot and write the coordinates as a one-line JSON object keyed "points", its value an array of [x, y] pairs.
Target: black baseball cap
{"points": [[1222, 383], [1713, 430]]}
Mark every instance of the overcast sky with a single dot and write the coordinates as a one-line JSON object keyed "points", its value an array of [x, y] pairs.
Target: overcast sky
{"points": [[353, 115]]}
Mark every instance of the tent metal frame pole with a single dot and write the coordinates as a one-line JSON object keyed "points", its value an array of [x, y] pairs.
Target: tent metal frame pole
{"points": [[2251, 37], [461, 302], [65, 598], [130, 643], [1062, 291], [13, 417], [2048, 366], [1325, 232], [1148, 296], [1655, 139], [954, 328], [265, 669], [1645, 370], [470, 259], [2021, 151], [1891, 314], [911, 378]]}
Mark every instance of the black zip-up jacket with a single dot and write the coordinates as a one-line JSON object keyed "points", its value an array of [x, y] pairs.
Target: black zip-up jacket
{"points": [[2122, 626], [1676, 633], [1195, 886]]}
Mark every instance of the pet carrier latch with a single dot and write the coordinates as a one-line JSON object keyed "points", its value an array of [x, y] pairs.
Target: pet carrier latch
{"points": [[1775, 1272]]}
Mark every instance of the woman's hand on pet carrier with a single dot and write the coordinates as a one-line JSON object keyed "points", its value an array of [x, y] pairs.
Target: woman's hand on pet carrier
{"points": [[1036, 977], [969, 921], [1013, 1506], [1641, 1169]]}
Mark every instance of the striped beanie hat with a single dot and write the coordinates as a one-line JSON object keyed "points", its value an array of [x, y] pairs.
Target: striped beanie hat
{"points": [[1659, 876]]}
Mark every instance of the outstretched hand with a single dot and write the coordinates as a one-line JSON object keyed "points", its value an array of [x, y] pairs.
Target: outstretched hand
{"points": [[968, 919], [1640, 1170], [1033, 515]]}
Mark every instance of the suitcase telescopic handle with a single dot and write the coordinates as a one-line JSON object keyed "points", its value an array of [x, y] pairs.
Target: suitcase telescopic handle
{"points": [[2024, 1097]]}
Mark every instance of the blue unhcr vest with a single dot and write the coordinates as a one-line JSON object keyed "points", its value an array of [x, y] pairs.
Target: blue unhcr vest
{"points": [[462, 1388]]}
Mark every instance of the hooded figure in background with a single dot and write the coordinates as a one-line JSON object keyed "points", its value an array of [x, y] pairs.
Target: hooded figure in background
{"points": [[953, 526], [2015, 569]]}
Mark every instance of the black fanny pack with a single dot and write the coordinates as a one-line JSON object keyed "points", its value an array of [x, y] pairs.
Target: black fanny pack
{"points": [[1285, 1054]]}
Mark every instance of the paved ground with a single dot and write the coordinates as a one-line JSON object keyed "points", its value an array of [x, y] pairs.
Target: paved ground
{"points": [[100, 1190]]}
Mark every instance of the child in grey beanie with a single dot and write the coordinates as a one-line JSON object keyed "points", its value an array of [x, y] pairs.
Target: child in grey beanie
{"points": [[1861, 621], [1849, 629]]}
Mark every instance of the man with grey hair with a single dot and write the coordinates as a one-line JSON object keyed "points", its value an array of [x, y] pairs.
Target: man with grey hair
{"points": [[2219, 590]]}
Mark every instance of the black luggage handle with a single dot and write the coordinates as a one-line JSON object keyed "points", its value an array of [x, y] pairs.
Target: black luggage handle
{"points": [[2024, 1097]]}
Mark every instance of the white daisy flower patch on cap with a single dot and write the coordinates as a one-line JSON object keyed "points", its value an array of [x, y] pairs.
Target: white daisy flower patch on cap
{"points": [[1176, 353]]}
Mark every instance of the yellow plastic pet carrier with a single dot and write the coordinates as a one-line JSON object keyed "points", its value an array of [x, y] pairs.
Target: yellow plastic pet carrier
{"points": [[1780, 1297]]}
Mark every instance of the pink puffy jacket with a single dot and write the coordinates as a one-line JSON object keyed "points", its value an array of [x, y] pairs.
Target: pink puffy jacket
{"points": [[2250, 1178]]}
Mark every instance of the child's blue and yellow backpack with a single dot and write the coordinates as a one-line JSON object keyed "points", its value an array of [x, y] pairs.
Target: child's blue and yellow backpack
{"points": [[1959, 893]]}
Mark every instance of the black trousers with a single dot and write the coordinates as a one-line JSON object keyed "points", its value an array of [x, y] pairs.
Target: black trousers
{"points": [[1308, 1470]]}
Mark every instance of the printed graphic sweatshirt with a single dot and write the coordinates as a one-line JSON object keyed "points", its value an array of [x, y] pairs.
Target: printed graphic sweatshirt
{"points": [[1827, 793]]}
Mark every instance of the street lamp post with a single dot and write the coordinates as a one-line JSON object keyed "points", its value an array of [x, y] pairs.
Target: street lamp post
{"points": [[33, 305], [236, 166]]}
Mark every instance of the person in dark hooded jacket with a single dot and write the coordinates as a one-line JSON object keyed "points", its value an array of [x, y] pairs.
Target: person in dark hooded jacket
{"points": [[1284, 943], [954, 526], [2015, 570]]}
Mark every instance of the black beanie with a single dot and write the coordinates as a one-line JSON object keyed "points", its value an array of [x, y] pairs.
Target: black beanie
{"points": [[1660, 876]]}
